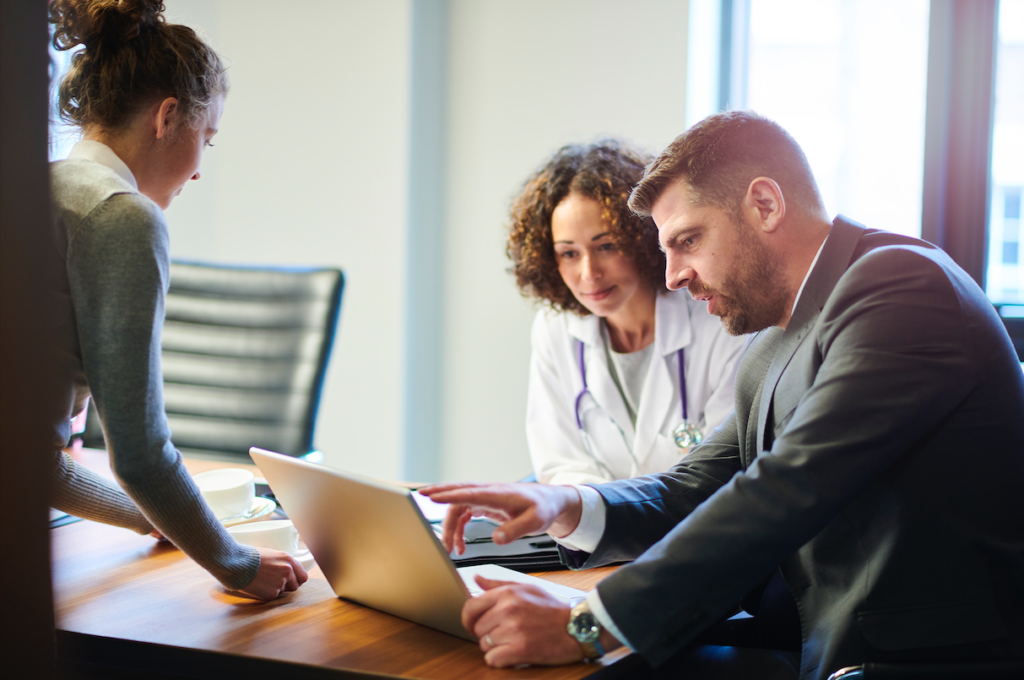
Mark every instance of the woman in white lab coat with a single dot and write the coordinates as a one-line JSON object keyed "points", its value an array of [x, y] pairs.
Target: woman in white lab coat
{"points": [[607, 398]]}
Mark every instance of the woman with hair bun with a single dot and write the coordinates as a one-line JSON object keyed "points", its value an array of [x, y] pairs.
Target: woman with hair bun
{"points": [[148, 97], [626, 376]]}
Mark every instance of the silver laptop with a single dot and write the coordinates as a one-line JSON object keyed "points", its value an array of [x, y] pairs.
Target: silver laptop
{"points": [[376, 548]]}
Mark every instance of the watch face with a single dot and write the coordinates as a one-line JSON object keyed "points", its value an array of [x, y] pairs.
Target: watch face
{"points": [[583, 626]]}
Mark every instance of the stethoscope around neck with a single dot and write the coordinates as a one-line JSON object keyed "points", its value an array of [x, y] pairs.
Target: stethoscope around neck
{"points": [[685, 434]]}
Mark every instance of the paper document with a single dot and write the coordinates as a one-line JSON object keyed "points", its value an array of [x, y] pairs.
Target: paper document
{"points": [[571, 596]]}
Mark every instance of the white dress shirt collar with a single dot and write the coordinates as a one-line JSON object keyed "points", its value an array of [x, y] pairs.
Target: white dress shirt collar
{"points": [[99, 152], [807, 276]]}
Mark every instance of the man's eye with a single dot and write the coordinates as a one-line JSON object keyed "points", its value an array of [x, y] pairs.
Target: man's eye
{"points": [[689, 241]]}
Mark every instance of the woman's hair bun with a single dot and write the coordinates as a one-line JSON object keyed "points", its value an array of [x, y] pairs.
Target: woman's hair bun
{"points": [[132, 58], [88, 22]]}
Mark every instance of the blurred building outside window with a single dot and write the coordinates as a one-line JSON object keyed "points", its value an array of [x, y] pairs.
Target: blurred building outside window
{"points": [[1004, 280]]}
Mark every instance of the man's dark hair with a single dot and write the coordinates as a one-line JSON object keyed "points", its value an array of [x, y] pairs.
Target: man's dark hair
{"points": [[719, 157]]}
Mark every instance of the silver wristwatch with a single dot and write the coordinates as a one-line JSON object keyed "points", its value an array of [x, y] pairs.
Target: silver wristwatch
{"points": [[585, 629]]}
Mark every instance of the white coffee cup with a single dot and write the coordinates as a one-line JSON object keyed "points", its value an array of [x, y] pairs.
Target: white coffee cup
{"points": [[229, 492], [278, 534]]}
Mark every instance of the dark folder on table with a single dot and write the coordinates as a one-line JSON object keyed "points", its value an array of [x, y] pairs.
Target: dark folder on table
{"points": [[529, 553]]}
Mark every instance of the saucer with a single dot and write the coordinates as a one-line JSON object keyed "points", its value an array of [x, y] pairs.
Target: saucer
{"points": [[260, 508]]}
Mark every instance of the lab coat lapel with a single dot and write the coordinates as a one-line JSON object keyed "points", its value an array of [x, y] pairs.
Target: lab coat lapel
{"points": [[660, 400], [831, 264], [599, 379]]}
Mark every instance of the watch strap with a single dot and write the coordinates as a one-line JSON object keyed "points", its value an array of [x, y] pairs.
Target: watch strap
{"points": [[590, 640], [592, 651]]}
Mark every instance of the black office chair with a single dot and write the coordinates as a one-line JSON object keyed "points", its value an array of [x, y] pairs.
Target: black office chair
{"points": [[980, 670], [244, 354]]}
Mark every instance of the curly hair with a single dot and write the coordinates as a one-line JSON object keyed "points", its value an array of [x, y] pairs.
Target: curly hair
{"points": [[605, 171], [132, 57]]}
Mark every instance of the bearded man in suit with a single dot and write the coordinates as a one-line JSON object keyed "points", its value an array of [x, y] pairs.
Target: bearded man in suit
{"points": [[875, 456]]}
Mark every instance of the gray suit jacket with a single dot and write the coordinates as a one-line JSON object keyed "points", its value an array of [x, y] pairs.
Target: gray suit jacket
{"points": [[876, 453]]}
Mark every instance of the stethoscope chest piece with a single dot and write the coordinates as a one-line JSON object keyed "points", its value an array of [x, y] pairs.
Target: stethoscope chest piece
{"points": [[687, 435]]}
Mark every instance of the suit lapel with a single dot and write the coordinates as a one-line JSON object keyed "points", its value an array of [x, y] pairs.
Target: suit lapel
{"points": [[832, 263], [749, 385]]}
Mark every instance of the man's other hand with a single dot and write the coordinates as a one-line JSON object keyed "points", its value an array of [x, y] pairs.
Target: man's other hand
{"points": [[521, 509], [520, 624]]}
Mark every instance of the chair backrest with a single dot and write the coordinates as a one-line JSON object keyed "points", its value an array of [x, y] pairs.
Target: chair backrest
{"points": [[244, 354], [1005, 669]]}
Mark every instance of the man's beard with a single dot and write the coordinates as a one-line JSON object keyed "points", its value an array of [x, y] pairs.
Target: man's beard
{"points": [[755, 298]]}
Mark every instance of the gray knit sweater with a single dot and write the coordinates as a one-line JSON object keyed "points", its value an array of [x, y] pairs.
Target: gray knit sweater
{"points": [[115, 243]]}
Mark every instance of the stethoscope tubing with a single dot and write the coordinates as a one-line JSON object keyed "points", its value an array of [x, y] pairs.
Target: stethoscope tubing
{"points": [[586, 389]]}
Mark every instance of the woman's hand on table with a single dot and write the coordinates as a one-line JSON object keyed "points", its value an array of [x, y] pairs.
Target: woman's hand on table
{"points": [[279, 573]]}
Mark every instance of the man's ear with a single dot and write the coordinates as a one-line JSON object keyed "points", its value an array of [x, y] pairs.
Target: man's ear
{"points": [[165, 117], [764, 204]]}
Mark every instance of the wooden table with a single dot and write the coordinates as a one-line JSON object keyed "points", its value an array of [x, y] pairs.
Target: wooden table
{"points": [[123, 600]]}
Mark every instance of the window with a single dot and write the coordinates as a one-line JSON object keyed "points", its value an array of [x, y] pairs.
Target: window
{"points": [[896, 130], [1004, 277], [847, 79]]}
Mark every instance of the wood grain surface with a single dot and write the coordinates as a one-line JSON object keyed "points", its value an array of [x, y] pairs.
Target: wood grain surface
{"points": [[112, 583]]}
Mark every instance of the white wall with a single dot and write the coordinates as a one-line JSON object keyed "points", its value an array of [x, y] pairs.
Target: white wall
{"points": [[527, 77], [311, 168]]}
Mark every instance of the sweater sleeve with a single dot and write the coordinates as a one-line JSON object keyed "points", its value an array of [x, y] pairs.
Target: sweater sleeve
{"points": [[118, 270], [79, 491]]}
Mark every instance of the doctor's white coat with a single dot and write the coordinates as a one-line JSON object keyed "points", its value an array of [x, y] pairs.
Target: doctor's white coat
{"points": [[557, 446]]}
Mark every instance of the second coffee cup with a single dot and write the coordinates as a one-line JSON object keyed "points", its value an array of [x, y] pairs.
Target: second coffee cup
{"points": [[229, 492], [277, 534]]}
